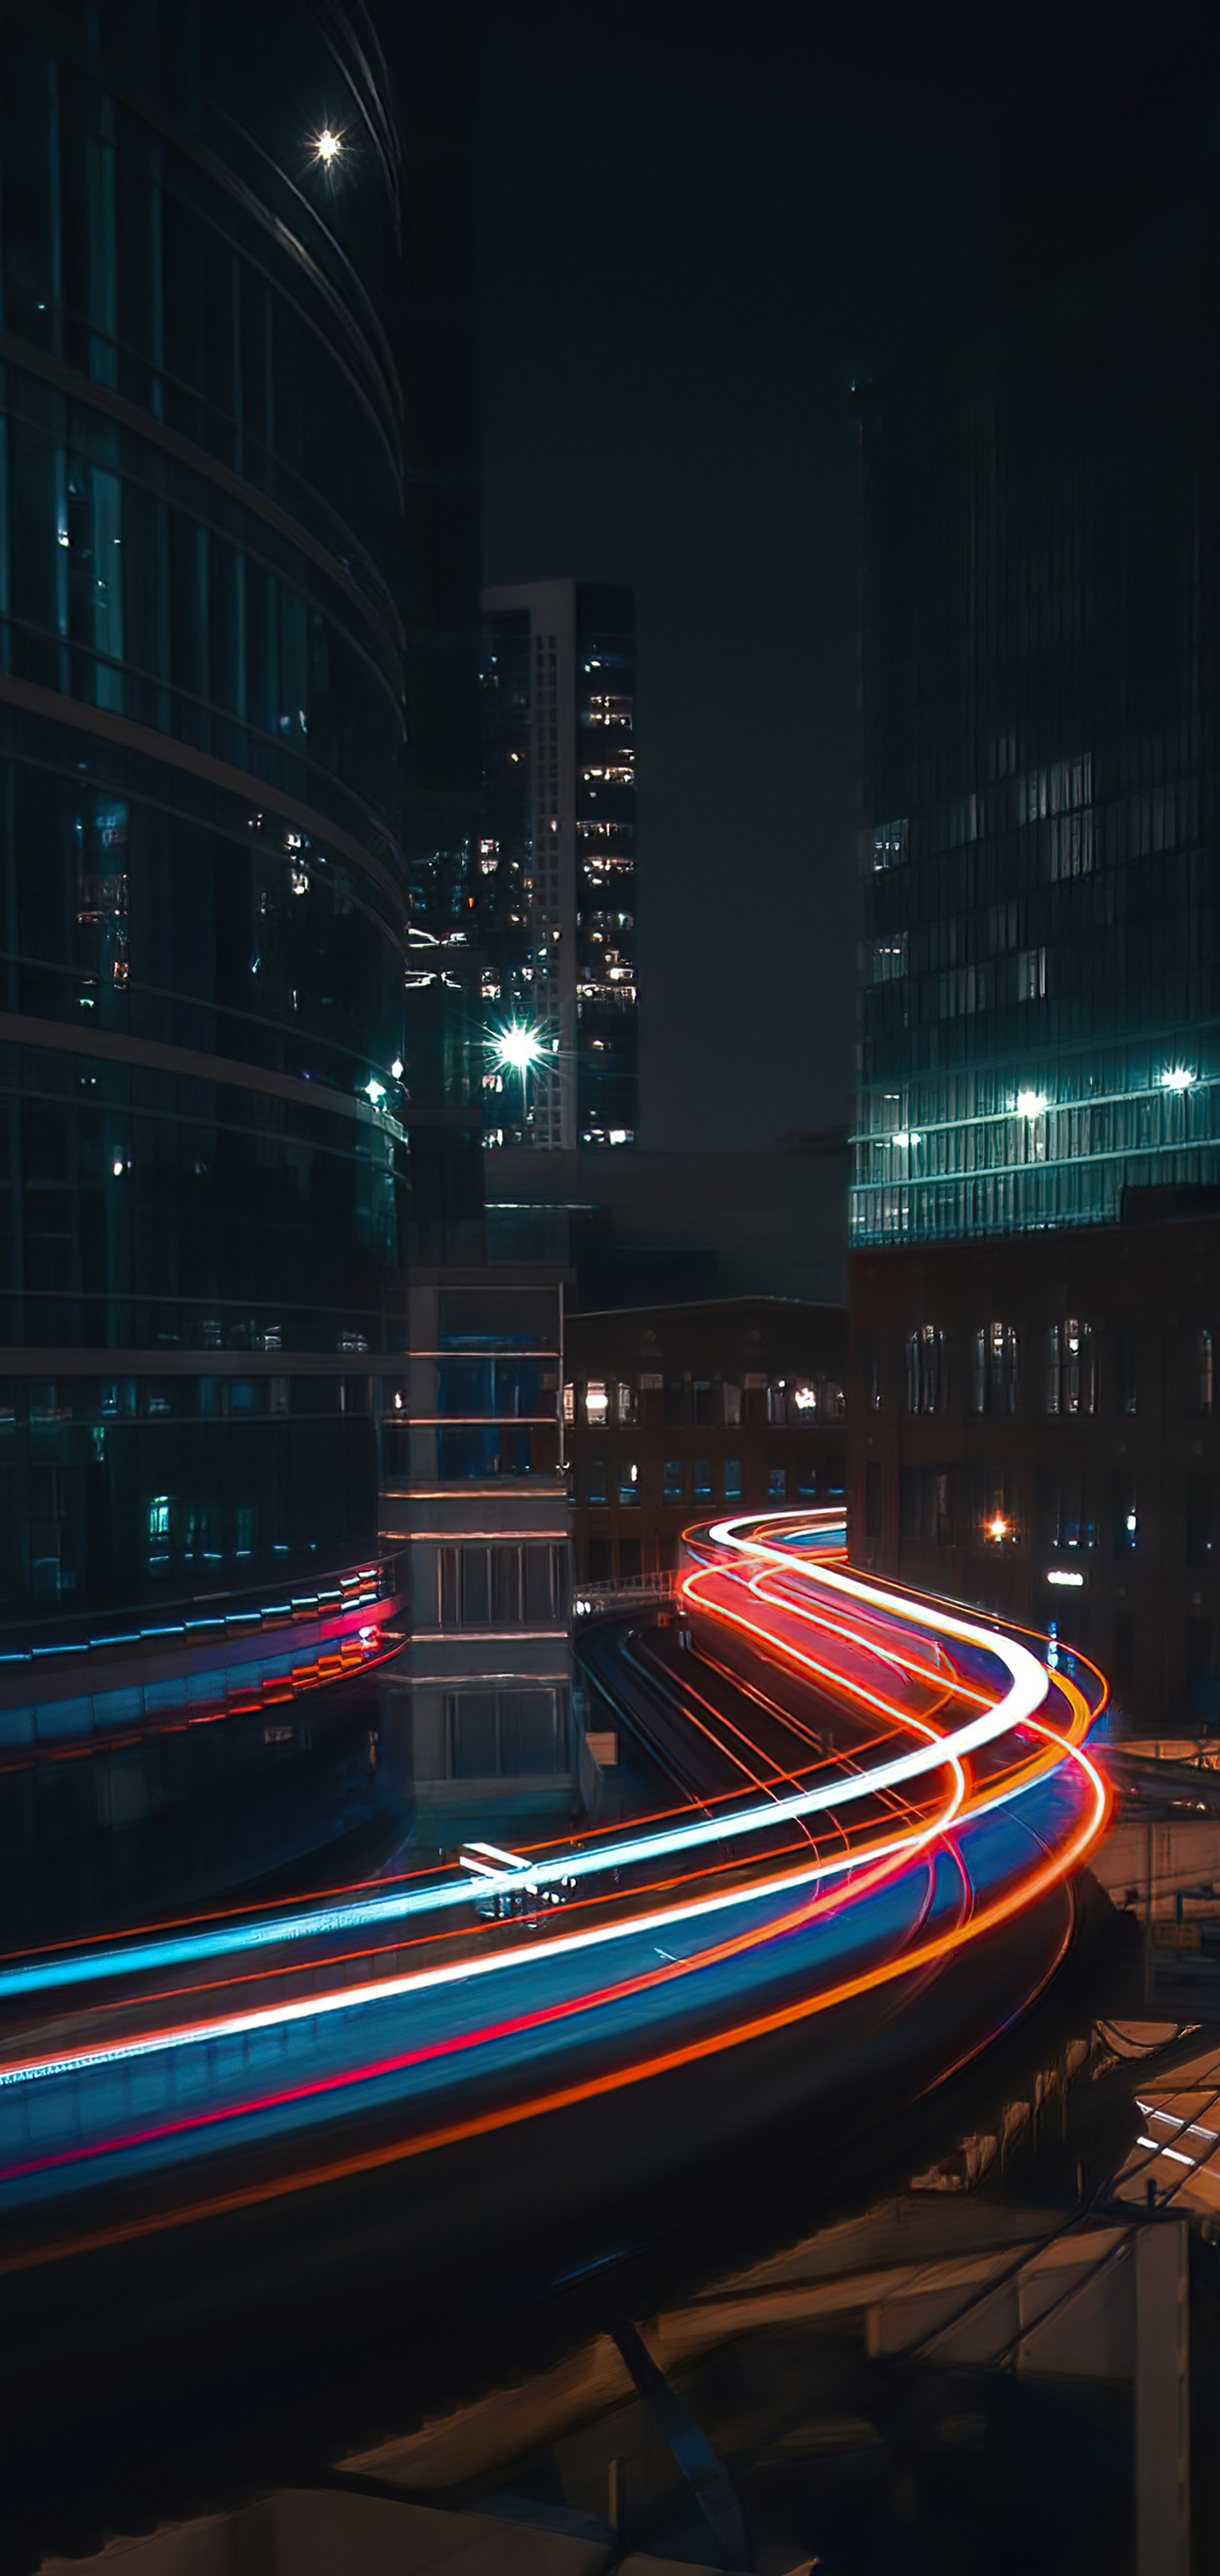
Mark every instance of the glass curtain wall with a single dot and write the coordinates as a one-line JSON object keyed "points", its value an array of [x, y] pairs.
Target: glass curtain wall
{"points": [[203, 893], [1039, 1002]]}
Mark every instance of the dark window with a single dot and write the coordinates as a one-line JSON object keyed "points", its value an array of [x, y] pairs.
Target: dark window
{"points": [[1198, 1520], [1126, 1358], [872, 1498], [1205, 1379], [673, 1480], [924, 1512], [528, 1733], [1066, 1510], [472, 1736], [703, 1480], [732, 1480], [925, 1349], [1126, 1515], [543, 1584], [1200, 1669], [506, 1586], [476, 1587]]}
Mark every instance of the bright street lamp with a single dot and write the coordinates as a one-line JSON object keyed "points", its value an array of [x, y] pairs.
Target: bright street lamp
{"points": [[517, 1049]]}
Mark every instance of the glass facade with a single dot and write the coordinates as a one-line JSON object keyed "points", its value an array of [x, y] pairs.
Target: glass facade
{"points": [[205, 1066], [1040, 966]]}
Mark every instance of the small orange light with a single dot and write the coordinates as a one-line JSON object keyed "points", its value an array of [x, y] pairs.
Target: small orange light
{"points": [[997, 1528]]}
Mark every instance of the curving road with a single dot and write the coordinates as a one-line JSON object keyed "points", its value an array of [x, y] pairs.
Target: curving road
{"points": [[882, 1782], [288, 2169]]}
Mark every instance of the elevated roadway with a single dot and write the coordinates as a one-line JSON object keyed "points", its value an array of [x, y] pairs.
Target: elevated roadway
{"points": [[226, 2143]]}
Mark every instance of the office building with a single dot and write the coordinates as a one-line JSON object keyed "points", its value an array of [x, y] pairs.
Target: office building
{"points": [[1034, 1292], [557, 864], [677, 1414], [1040, 997], [216, 608]]}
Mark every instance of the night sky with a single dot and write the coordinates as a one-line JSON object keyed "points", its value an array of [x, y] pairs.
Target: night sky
{"points": [[699, 225]]}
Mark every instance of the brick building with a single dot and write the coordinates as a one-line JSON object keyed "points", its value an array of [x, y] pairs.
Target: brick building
{"points": [[673, 1413], [1034, 1428]]}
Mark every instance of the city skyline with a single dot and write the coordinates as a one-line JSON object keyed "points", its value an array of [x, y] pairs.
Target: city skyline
{"points": [[609, 1771]]}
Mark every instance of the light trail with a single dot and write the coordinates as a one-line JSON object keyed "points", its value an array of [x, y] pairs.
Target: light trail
{"points": [[1027, 1691], [1008, 1753]]}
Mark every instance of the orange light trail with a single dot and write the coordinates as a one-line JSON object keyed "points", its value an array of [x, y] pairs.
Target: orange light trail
{"points": [[1014, 1734]]}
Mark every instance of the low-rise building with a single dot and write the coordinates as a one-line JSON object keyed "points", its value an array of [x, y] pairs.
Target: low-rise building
{"points": [[675, 1413], [1034, 1427]]}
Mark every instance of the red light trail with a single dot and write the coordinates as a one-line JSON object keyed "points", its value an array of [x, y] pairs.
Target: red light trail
{"points": [[958, 1765]]}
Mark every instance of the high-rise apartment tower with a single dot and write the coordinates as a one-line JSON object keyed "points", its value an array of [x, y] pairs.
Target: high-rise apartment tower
{"points": [[558, 861]]}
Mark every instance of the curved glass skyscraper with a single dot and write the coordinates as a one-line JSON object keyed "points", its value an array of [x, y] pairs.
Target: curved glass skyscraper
{"points": [[202, 742]]}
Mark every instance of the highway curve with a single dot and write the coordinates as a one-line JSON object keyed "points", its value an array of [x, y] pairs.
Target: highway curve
{"points": [[396, 2115]]}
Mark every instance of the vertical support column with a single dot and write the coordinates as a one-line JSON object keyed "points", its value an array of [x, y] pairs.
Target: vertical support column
{"points": [[1162, 2399]]}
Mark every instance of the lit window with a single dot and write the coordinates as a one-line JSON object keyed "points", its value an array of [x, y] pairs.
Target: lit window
{"points": [[888, 958], [569, 1404], [626, 1402], [1071, 1375], [628, 1482], [994, 1388], [596, 1400], [885, 846]]}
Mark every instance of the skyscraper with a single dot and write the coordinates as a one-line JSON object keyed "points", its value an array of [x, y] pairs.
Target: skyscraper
{"points": [[558, 862], [1034, 1295], [1041, 960], [202, 782]]}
